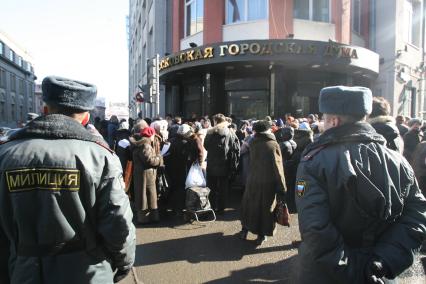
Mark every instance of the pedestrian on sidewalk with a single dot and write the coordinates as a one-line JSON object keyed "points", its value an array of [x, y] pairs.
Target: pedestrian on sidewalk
{"points": [[362, 216], [265, 184], [65, 217], [223, 149], [385, 124], [145, 164], [412, 138]]}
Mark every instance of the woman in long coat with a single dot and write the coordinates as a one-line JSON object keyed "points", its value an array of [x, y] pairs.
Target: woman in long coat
{"points": [[265, 181], [145, 162], [177, 165]]}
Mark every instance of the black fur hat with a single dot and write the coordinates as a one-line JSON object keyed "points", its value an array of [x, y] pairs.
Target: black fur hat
{"points": [[69, 94], [261, 126]]}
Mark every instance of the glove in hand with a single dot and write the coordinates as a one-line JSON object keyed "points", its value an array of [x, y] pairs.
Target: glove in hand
{"points": [[120, 275], [375, 271]]}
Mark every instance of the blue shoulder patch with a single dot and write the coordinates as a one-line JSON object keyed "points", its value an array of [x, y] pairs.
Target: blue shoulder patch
{"points": [[301, 186]]}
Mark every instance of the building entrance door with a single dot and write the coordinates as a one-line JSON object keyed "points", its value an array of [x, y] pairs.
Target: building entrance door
{"points": [[246, 104]]}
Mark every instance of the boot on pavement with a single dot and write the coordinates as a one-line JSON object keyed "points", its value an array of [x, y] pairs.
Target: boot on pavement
{"points": [[261, 239], [243, 234]]}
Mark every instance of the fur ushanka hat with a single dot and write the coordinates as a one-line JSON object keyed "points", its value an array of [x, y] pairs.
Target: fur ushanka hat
{"points": [[346, 100], [69, 94]]}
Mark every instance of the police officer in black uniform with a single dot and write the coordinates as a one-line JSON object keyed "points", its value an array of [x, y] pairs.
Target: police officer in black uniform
{"points": [[362, 216], [64, 216]]}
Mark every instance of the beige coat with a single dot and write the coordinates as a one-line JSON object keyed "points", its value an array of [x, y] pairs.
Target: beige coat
{"points": [[265, 179], [145, 163]]}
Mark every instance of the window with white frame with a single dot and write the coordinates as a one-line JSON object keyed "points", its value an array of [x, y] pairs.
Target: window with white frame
{"points": [[246, 10], [412, 22], [356, 16], [312, 10], [1, 48], [11, 55], [406, 102], [194, 16], [20, 61]]}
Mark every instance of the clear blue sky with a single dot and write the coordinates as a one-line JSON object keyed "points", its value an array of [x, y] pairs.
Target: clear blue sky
{"points": [[78, 39]]}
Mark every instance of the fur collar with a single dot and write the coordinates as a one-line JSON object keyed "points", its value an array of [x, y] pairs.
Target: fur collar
{"points": [[139, 142], [381, 119], [221, 129], [57, 126]]}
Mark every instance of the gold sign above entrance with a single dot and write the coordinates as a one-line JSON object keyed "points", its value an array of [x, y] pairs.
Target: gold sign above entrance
{"points": [[253, 49]]}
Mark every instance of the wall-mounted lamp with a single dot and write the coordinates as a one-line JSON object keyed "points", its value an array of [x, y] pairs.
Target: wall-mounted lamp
{"points": [[398, 53], [193, 44]]}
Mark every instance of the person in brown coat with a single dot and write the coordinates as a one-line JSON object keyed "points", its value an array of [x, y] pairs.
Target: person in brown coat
{"points": [[265, 182], [145, 162]]}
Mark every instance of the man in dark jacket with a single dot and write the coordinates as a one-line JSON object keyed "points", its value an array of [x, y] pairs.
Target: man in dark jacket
{"points": [[223, 151], [385, 124], [64, 215], [362, 216], [176, 122], [400, 124], [412, 138]]}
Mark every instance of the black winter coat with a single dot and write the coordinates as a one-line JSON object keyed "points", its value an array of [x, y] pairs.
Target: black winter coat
{"points": [[356, 198], [419, 165], [290, 162], [385, 125], [411, 139], [220, 142], [403, 129], [177, 161]]}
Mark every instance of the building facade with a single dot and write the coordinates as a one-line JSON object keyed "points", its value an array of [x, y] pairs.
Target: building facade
{"points": [[17, 84], [149, 34], [400, 41], [253, 58]]}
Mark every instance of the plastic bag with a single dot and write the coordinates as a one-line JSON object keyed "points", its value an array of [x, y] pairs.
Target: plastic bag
{"points": [[195, 177]]}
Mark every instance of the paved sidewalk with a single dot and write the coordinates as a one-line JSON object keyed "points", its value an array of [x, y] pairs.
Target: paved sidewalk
{"points": [[177, 252]]}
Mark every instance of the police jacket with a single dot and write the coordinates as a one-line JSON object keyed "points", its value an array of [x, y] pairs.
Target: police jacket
{"points": [[64, 216], [356, 200]]}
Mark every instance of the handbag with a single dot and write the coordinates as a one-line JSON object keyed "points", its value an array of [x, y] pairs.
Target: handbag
{"points": [[282, 216]]}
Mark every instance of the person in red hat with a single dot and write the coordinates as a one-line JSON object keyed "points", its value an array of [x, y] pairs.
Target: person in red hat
{"points": [[145, 161]]}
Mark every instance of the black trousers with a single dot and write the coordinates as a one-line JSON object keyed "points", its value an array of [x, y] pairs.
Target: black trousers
{"points": [[219, 186]]}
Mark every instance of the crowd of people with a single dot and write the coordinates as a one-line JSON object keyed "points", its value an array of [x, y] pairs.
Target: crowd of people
{"points": [[362, 214], [222, 146]]}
